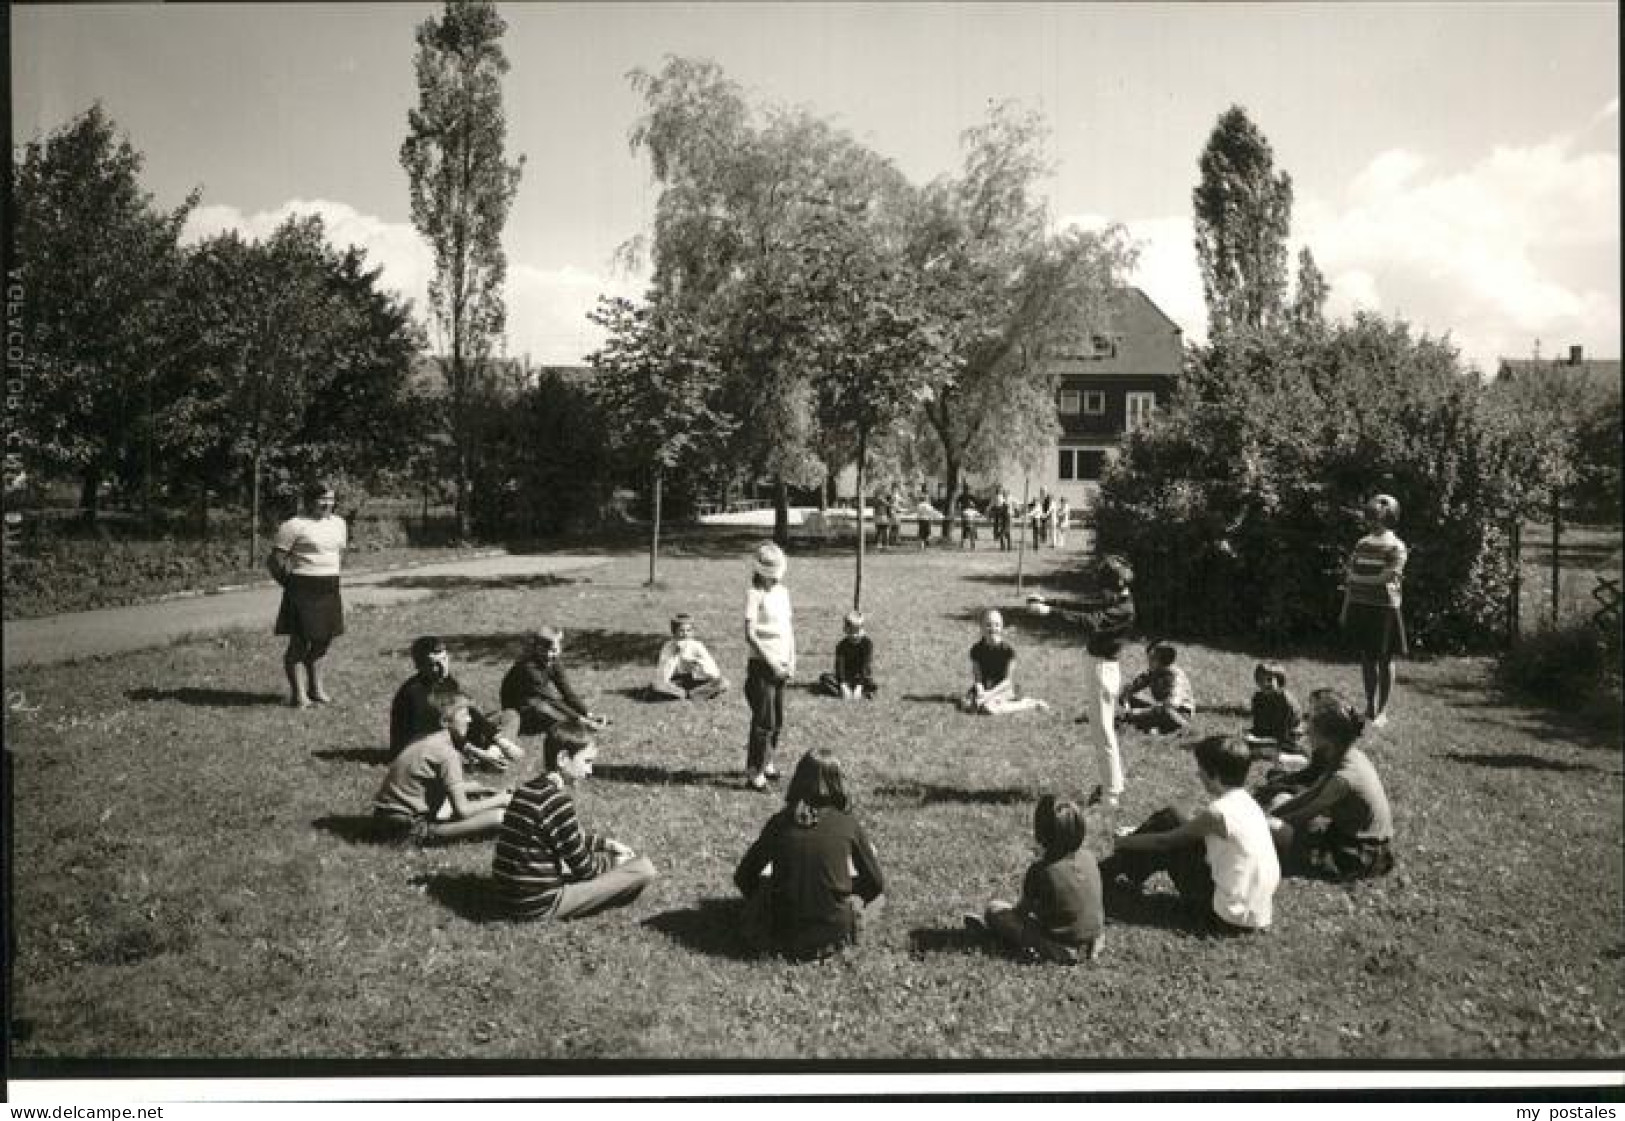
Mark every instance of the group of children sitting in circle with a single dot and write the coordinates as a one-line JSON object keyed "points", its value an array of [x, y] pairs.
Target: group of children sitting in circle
{"points": [[811, 875]]}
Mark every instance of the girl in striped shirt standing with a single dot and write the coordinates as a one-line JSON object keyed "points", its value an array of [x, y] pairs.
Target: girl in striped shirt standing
{"points": [[547, 866], [1371, 600]]}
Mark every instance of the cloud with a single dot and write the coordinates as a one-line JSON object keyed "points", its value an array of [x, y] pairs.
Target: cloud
{"points": [[547, 308], [1519, 244]]}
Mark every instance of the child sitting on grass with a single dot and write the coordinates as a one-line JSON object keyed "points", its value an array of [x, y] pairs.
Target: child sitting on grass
{"points": [[811, 876], [1277, 724], [1340, 824], [1058, 917], [412, 716], [992, 674], [539, 691], [546, 866], [854, 676], [687, 672], [1221, 859], [1170, 705], [425, 794]]}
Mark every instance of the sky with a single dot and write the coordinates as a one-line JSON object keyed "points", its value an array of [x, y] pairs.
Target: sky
{"points": [[1456, 164]]}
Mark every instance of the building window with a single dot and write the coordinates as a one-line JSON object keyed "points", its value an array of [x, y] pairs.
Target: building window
{"points": [[1138, 410], [1069, 402], [1066, 470], [1091, 465], [1104, 346], [1094, 402]]}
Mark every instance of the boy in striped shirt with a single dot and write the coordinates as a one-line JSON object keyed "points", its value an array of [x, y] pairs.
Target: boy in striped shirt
{"points": [[1371, 601], [547, 866]]}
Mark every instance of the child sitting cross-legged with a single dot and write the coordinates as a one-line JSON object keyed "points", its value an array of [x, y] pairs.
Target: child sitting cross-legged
{"points": [[1221, 859], [811, 876], [546, 865], [992, 674], [1339, 823], [425, 794], [1170, 705], [687, 672], [412, 716], [854, 676], [1277, 723], [1058, 917], [539, 691]]}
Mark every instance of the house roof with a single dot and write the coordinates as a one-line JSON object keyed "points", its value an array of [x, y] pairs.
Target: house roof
{"points": [[1596, 377]]}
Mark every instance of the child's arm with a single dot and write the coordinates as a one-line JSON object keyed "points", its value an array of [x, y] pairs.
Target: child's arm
{"points": [[869, 884], [708, 664], [665, 670], [464, 807], [569, 842], [400, 714], [1204, 824], [748, 876], [1315, 801]]}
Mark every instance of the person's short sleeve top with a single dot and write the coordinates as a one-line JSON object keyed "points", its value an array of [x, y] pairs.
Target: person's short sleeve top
{"points": [[421, 777], [1376, 570], [1245, 869], [1363, 812], [992, 661], [315, 546], [768, 613]]}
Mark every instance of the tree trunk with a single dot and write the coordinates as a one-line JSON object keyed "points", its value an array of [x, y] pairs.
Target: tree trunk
{"points": [[1514, 601], [857, 583], [1557, 568], [254, 512], [1021, 542], [90, 492], [654, 537], [462, 493], [781, 512], [203, 511], [952, 482]]}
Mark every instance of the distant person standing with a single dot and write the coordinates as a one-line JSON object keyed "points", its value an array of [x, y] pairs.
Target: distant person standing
{"points": [[306, 557], [999, 514], [1063, 518], [967, 521], [1046, 519]]}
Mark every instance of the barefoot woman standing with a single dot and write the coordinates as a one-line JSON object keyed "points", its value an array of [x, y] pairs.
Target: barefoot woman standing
{"points": [[305, 558]]}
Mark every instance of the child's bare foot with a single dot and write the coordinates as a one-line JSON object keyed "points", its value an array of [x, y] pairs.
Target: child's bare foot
{"points": [[298, 700]]}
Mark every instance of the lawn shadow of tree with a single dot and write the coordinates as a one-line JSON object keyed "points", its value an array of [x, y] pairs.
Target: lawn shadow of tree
{"points": [[946, 940], [451, 581], [647, 774], [468, 895], [361, 829], [949, 699], [713, 927], [371, 755], [208, 698], [1518, 760], [931, 794], [584, 648]]}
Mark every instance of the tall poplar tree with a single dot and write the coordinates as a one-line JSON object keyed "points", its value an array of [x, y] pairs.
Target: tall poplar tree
{"points": [[1243, 213], [1309, 298], [462, 188]]}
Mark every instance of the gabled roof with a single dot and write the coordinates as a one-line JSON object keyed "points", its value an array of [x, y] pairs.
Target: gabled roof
{"points": [[1596, 377]]}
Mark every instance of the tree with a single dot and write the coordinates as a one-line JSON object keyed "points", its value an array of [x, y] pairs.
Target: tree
{"points": [[98, 263], [657, 387], [1243, 214], [462, 187], [1010, 295], [1308, 311]]}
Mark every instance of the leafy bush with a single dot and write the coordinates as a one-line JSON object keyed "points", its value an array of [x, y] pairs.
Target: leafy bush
{"points": [[1239, 505], [1576, 664]]}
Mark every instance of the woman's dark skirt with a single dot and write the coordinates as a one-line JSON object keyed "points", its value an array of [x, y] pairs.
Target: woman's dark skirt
{"points": [[1376, 632], [312, 610]]}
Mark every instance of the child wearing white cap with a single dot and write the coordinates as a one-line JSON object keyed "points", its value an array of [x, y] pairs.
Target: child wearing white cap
{"points": [[770, 635]]}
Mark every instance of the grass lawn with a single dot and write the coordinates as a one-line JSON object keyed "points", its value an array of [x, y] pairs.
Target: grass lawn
{"points": [[192, 875]]}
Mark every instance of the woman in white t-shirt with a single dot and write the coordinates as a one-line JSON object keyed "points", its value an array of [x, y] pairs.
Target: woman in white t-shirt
{"points": [[306, 557], [771, 638], [1221, 858]]}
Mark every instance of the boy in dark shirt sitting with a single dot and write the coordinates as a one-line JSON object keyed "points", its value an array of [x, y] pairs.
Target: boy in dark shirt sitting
{"points": [[854, 676], [539, 692], [412, 715]]}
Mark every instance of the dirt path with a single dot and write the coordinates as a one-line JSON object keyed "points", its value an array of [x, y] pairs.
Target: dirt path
{"points": [[117, 630]]}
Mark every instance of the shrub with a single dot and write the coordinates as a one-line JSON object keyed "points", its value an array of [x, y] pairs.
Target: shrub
{"points": [[1573, 665], [1240, 504]]}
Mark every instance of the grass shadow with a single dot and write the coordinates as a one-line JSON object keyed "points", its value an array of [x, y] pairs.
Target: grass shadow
{"points": [[1164, 910], [945, 940], [650, 775], [360, 829], [1518, 761], [949, 699], [466, 894], [208, 698], [930, 794], [370, 755], [586, 648], [451, 581], [711, 927]]}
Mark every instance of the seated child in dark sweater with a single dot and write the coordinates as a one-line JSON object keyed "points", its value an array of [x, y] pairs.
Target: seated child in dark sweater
{"points": [[1277, 723], [540, 692], [854, 676], [412, 716], [1059, 916]]}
